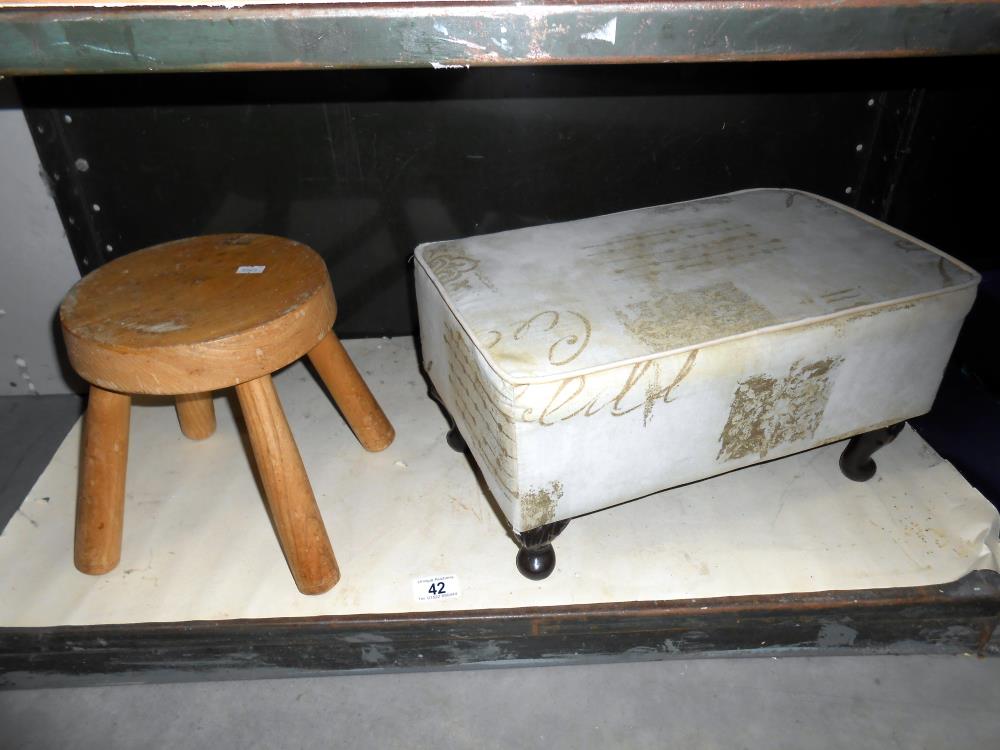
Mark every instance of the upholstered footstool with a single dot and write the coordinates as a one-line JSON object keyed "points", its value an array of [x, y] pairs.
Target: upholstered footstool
{"points": [[588, 363]]}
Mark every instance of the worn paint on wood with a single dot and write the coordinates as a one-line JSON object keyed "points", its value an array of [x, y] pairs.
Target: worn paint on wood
{"points": [[445, 35], [953, 617]]}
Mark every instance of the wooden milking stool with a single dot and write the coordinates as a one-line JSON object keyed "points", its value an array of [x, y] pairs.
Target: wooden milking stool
{"points": [[189, 317]]}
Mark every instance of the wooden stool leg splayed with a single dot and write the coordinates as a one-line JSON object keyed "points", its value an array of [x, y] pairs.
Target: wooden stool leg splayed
{"points": [[351, 393], [196, 413], [100, 504], [289, 495], [187, 318]]}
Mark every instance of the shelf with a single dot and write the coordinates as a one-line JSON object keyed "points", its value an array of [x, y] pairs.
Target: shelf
{"points": [[781, 558], [53, 37]]}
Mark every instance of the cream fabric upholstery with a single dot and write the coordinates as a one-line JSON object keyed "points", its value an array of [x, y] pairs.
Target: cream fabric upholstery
{"points": [[595, 361]]}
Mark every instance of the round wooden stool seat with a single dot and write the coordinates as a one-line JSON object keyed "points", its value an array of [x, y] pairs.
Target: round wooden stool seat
{"points": [[197, 315], [188, 317]]}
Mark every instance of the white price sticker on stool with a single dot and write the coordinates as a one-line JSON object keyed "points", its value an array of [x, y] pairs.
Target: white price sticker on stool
{"points": [[251, 269], [436, 587]]}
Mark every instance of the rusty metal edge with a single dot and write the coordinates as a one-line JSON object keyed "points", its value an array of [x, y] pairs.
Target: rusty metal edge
{"points": [[978, 587], [957, 617], [56, 40]]}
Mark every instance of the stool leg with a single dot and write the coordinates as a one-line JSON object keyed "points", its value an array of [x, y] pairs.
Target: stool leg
{"points": [[196, 413], [290, 497], [100, 501], [351, 393]]}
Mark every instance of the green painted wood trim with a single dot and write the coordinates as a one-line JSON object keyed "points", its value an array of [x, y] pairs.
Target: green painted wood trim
{"points": [[445, 34]]}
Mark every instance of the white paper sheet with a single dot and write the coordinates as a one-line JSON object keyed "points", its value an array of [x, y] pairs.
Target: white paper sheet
{"points": [[198, 544]]}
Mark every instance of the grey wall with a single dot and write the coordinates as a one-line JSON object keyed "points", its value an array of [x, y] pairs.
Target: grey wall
{"points": [[36, 264]]}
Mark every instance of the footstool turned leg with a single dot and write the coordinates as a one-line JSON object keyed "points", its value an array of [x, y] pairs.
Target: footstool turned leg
{"points": [[196, 413], [454, 438], [100, 502], [296, 516], [536, 559], [856, 461], [351, 394]]}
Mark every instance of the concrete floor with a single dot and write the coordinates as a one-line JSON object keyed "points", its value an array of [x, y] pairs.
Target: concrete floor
{"points": [[851, 702], [832, 702]]}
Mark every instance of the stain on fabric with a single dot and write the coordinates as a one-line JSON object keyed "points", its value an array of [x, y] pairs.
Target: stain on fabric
{"points": [[845, 299], [843, 323], [660, 252], [770, 411], [679, 319], [451, 265], [484, 410], [538, 505]]}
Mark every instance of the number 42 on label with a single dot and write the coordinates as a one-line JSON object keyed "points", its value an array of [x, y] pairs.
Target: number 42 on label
{"points": [[428, 588]]}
